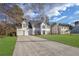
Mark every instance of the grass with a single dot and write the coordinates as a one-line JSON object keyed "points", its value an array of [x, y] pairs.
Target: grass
{"points": [[72, 40], [7, 44]]}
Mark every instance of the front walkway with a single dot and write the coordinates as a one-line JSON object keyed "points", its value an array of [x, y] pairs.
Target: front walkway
{"points": [[34, 46]]}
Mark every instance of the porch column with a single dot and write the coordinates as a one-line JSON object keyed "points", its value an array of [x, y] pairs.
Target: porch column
{"points": [[45, 31], [41, 31], [33, 32]]}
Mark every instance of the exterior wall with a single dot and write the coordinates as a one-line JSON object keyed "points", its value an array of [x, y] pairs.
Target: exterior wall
{"points": [[24, 24], [23, 31], [57, 29], [46, 31], [36, 29], [30, 32], [44, 28], [64, 30]]}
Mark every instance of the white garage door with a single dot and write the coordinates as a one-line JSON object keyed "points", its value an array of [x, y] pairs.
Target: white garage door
{"points": [[20, 32]]}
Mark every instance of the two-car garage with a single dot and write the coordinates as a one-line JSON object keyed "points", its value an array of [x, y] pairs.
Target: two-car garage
{"points": [[22, 32]]}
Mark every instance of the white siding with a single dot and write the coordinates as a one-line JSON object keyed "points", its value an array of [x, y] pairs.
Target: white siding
{"points": [[46, 29]]}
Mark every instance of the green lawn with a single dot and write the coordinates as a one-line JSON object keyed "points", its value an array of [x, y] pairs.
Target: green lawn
{"points": [[7, 45], [72, 40]]}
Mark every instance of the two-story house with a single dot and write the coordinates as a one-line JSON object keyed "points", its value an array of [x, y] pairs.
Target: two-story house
{"points": [[60, 29], [34, 27]]}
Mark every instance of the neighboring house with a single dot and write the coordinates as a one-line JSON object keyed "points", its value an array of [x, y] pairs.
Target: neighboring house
{"points": [[34, 27], [60, 29], [75, 30], [54, 29]]}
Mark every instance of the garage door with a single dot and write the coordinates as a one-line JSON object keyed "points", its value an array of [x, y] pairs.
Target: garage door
{"points": [[20, 32]]}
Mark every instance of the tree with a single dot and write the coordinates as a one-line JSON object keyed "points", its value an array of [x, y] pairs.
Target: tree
{"points": [[13, 11], [7, 29]]}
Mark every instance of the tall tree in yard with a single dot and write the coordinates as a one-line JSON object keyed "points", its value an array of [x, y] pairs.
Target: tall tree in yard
{"points": [[12, 11]]}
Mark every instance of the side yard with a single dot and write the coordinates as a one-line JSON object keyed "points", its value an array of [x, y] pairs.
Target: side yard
{"points": [[7, 45], [72, 40]]}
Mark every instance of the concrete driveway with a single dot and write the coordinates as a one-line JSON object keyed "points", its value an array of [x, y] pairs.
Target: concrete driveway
{"points": [[34, 46]]}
